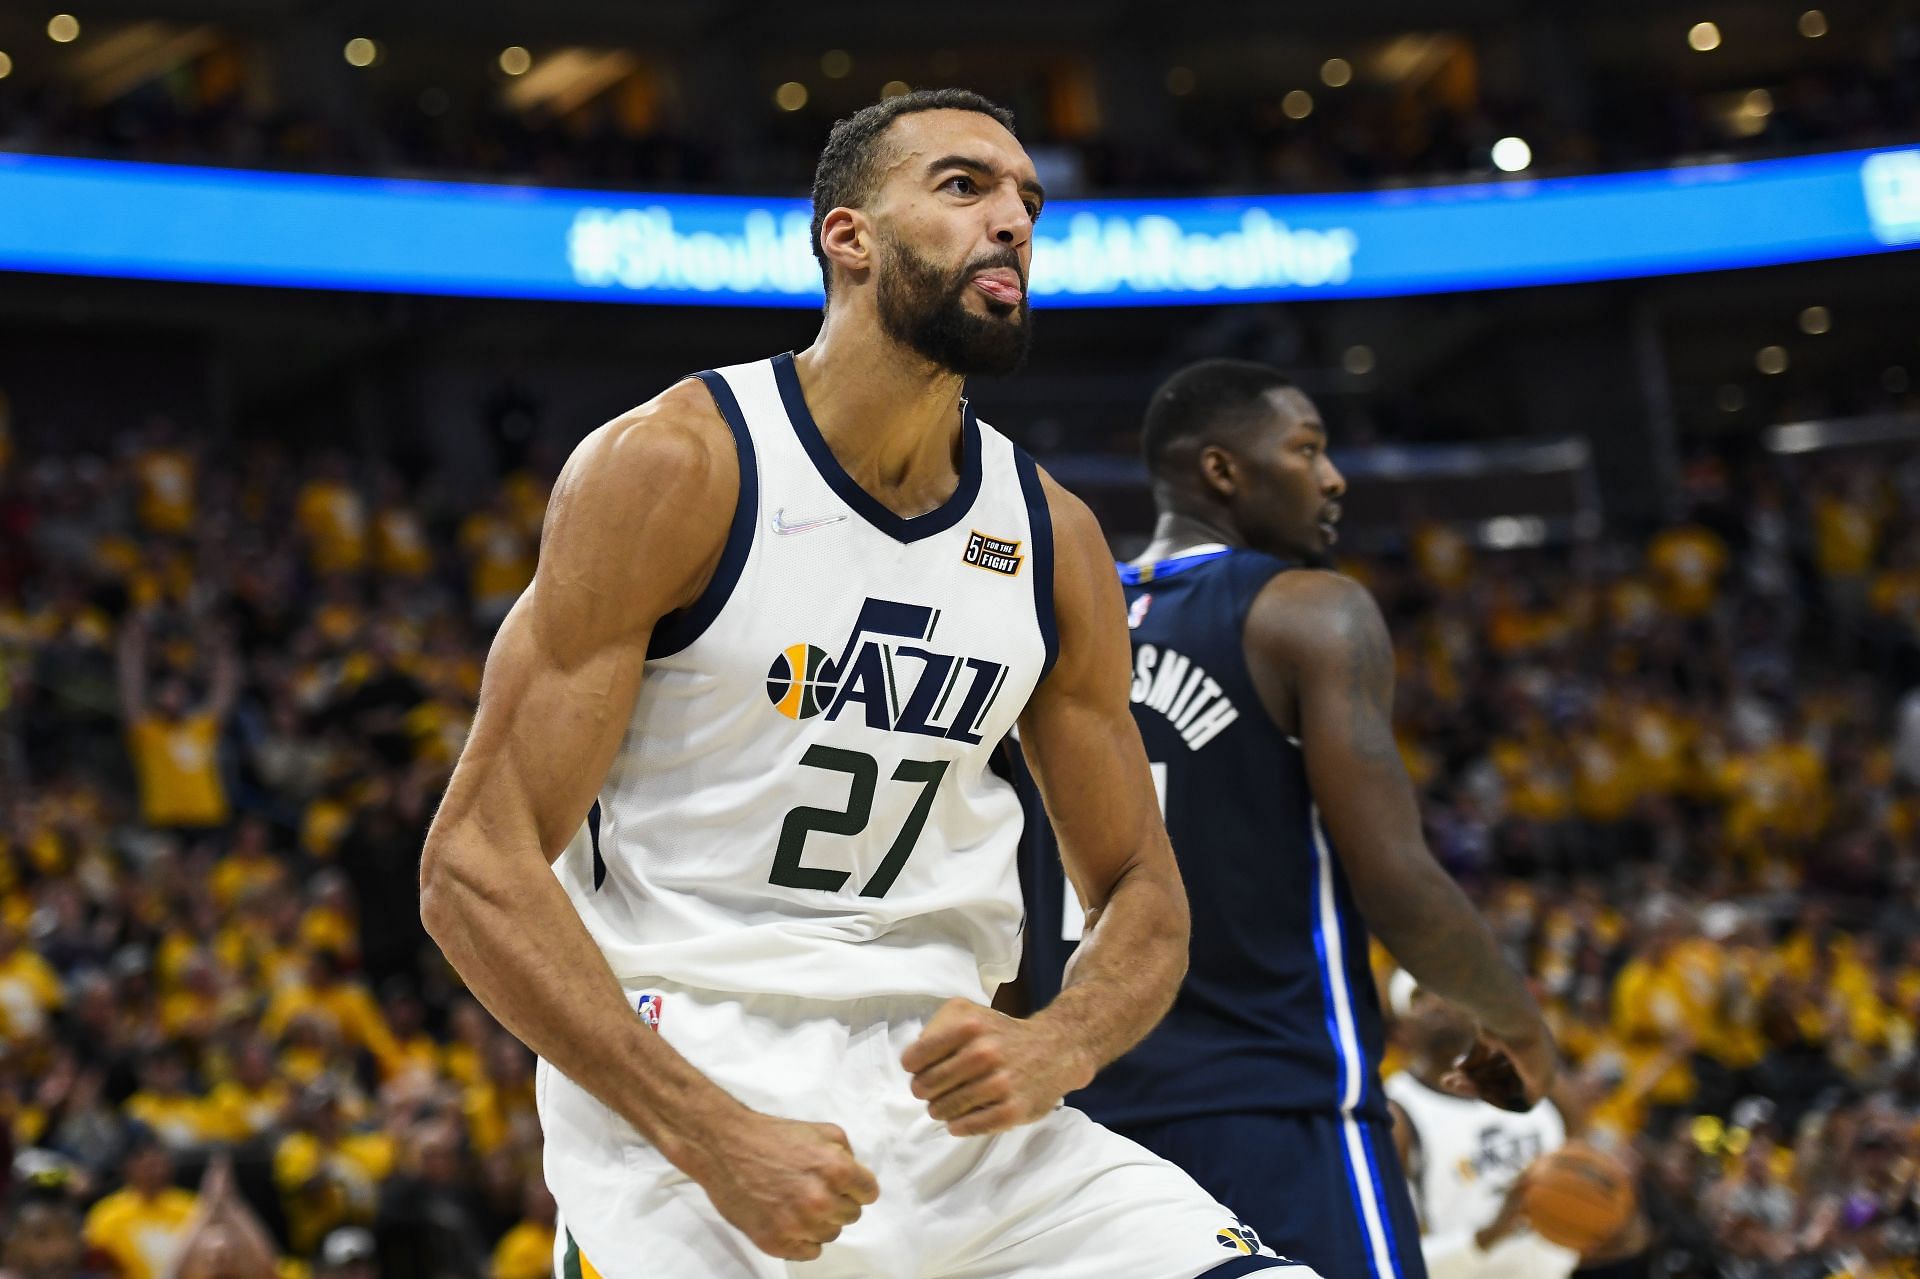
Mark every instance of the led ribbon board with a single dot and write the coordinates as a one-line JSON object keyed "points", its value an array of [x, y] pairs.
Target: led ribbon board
{"points": [[145, 221]]}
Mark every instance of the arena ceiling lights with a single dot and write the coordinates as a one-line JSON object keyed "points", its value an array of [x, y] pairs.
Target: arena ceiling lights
{"points": [[144, 221]]}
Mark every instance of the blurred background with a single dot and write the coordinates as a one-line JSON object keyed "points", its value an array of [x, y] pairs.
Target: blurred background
{"points": [[1649, 541]]}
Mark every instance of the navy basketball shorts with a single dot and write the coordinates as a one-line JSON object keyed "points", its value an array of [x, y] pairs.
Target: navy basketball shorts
{"points": [[1323, 1189]]}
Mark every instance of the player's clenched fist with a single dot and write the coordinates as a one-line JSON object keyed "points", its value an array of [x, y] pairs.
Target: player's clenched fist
{"points": [[980, 1071], [788, 1186]]}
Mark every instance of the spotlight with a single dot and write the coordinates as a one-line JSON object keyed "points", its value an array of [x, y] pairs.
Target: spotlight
{"points": [[1511, 155]]}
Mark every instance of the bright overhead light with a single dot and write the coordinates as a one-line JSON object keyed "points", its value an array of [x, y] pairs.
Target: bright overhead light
{"points": [[515, 61], [361, 52], [1758, 102], [1771, 360], [1358, 360], [1336, 73], [6, 66], [1510, 155], [894, 88], [1813, 24], [63, 28], [836, 64], [790, 96], [1816, 320], [1179, 81], [1704, 37], [1298, 104]]}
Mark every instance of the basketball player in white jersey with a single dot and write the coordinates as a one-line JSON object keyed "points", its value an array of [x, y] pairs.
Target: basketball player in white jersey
{"points": [[1465, 1157], [724, 846]]}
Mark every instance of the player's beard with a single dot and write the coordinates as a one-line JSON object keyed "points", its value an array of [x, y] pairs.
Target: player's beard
{"points": [[924, 309]]}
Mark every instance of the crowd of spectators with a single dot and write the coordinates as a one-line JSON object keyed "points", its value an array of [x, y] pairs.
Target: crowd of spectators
{"points": [[1681, 773], [1219, 134]]}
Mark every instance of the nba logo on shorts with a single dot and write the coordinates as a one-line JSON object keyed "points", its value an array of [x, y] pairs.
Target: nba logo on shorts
{"points": [[649, 1009]]}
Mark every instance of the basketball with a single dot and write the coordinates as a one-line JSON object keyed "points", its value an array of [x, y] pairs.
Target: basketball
{"points": [[1578, 1198]]}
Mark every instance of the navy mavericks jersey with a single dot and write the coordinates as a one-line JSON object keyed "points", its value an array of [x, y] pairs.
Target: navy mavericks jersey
{"points": [[1279, 1011]]}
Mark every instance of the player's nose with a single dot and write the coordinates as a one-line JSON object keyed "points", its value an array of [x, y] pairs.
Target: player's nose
{"points": [[1332, 483], [1009, 223]]}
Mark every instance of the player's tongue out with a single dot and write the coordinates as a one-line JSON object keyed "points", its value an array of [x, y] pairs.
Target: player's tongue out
{"points": [[1001, 285]]}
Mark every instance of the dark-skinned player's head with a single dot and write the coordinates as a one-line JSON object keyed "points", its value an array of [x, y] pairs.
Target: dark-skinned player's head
{"points": [[923, 209], [1238, 446]]}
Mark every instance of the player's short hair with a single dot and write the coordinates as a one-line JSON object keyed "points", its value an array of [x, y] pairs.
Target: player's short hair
{"points": [[850, 164], [1203, 402]]}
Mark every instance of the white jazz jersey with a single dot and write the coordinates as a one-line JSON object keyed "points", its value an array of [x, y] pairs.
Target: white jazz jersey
{"points": [[802, 804], [1469, 1155]]}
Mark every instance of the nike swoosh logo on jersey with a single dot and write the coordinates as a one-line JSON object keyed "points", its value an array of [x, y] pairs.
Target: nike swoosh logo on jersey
{"points": [[783, 527]]}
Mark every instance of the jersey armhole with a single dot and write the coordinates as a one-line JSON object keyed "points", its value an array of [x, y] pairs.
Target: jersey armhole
{"points": [[1040, 530], [682, 627]]}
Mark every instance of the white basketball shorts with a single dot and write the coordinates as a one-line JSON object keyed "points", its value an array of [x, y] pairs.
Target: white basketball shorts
{"points": [[1061, 1198]]}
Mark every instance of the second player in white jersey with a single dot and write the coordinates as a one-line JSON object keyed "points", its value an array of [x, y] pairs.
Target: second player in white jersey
{"points": [[1463, 1156], [1467, 1156], [808, 759]]}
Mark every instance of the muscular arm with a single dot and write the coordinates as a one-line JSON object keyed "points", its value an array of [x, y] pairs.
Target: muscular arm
{"points": [[1084, 748], [1320, 638], [635, 527]]}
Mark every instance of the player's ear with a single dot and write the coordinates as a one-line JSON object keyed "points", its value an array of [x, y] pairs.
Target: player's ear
{"points": [[846, 237], [1219, 472]]}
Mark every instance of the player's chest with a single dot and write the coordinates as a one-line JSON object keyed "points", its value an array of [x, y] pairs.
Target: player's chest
{"points": [[864, 632]]}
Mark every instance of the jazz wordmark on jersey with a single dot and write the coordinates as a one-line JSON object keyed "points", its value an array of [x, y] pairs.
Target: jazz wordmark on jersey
{"points": [[889, 674]]}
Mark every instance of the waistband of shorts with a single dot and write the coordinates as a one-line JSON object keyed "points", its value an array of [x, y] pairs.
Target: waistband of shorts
{"points": [[882, 1009]]}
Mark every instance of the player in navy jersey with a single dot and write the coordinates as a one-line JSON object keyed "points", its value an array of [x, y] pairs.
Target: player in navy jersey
{"points": [[1263, 688]]}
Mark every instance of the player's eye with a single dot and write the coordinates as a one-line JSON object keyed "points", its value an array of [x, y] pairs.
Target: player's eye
{"points": [[1033, 211], [961, 184]]}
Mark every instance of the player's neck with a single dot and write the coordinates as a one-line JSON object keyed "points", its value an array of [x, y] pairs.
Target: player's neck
{"points": [[891, 417], [1176, 533]]}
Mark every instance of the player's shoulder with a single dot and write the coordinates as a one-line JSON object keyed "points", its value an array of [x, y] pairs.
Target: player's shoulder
{"points": [[1074, 523], [673, 453], [1306, 611], [677, 437], [643, 507]]}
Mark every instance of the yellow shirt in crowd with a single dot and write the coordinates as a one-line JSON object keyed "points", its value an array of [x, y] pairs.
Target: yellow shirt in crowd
{"points": [[501, 557], [29, 990], [400, 543], [353, 1172], [525, 1252], [1686, 564], [179, 771], [164, 483], [331, 516], [141, 1235]]}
